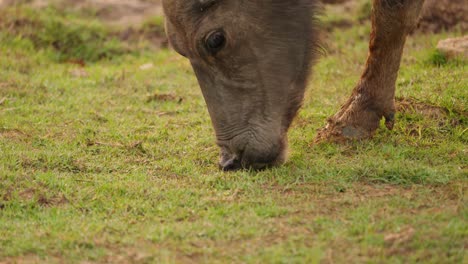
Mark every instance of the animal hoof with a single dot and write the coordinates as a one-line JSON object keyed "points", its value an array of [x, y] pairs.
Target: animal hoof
{"points": [[390, 121]]}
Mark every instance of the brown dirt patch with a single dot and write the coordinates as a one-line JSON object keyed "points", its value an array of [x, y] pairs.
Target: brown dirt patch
{"points": [[441, 116], [411, 106], [336, 205], [338, 24], [332, 197], [129, 255], [406, 105], [31, 259], [439, 15], [129, 18], [334, 2], [399, 237], [164, 98], [123, 13], [12, 134], [39, 194]]}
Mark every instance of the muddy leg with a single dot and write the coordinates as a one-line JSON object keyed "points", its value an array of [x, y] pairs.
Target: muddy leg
{"points": [[373, 97]]}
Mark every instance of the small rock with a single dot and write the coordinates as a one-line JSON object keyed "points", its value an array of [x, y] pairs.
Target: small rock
{"points": [[454, 47]]}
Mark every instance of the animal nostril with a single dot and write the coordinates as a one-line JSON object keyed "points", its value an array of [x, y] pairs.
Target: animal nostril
{"points": [[232, 164]]}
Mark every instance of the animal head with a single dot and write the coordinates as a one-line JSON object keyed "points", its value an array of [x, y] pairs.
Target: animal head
{"points": [[252, 60]]}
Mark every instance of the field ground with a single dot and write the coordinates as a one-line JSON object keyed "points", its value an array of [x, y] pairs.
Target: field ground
{"points": [[107, 155]]}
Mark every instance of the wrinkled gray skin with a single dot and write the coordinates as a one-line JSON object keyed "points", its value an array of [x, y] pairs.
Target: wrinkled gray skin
{"points": [[254, 84]]}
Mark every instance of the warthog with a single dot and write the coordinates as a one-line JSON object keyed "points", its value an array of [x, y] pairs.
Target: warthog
{"points": [[252, 60]]}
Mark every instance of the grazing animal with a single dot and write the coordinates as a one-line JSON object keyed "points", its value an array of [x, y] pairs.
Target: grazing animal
{"points": [[252, 59]]}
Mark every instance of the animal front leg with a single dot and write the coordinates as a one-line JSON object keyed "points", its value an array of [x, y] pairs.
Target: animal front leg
{"points": [[373, 98]]}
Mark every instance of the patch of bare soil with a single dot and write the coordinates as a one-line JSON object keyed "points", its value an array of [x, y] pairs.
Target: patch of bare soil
{"points": [[12, 134], [129, 17], [436, 113], [406, 105], [31, 259], [338, 24], [39, 194], [41, 197], [5, 3], [123, 13], [439, 15], [164, 98], [334, 2]]}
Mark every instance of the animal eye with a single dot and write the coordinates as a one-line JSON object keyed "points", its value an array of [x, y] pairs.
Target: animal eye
{"points": [[215, 42]]}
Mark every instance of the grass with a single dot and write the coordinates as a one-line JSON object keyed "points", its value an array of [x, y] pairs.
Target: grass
{"points": [[66, 35], [114, 162]]}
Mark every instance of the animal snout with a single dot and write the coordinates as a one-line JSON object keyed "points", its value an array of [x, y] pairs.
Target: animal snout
{"points": [[252, 157], [230, 164]]}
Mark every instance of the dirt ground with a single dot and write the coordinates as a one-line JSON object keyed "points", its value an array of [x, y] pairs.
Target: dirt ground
{"points": [[124, 13], [441, 15], [437, 15]]}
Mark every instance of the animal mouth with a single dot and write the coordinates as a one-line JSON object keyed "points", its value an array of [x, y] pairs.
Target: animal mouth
{"points": [[235, 162], [230, 164]]}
